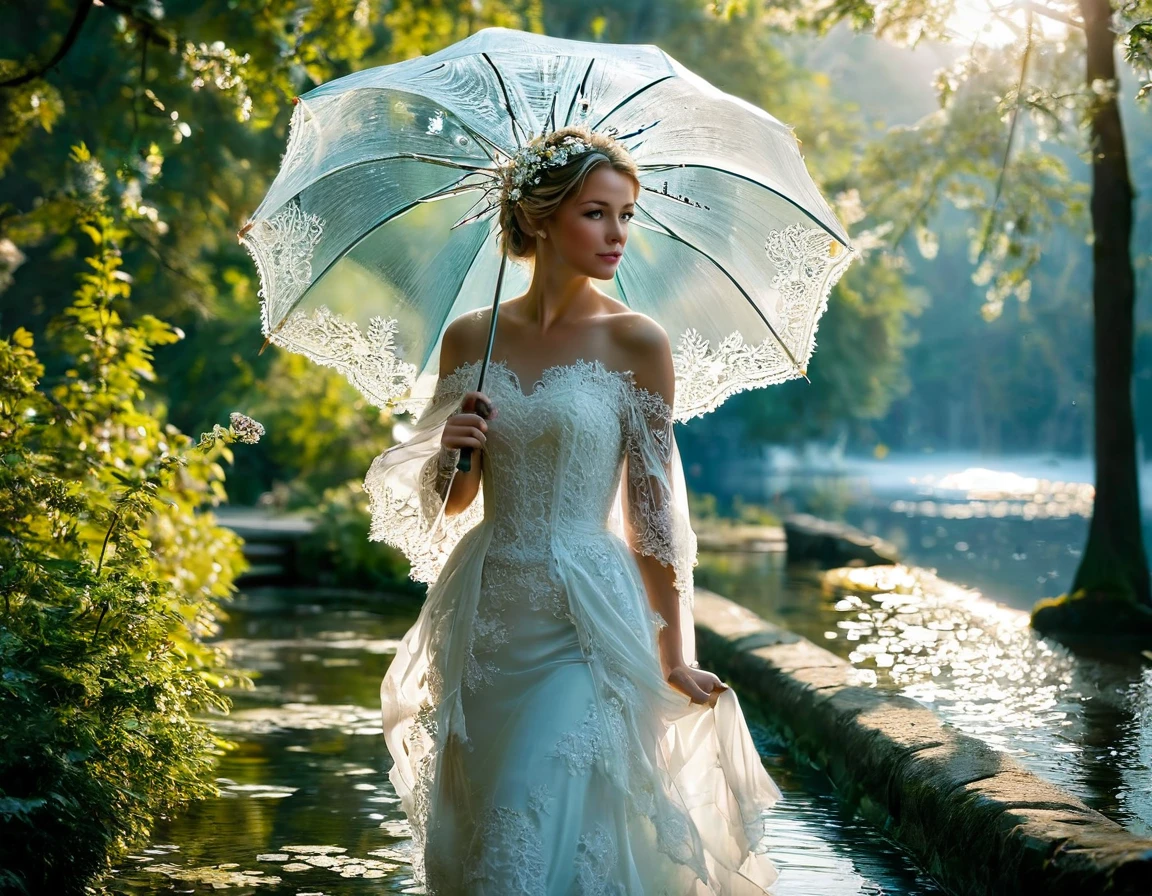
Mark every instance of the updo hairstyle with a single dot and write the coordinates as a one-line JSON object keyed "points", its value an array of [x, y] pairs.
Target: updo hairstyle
{"points": [[539, 200]]}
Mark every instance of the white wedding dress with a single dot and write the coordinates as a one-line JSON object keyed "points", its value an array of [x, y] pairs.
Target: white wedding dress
{"points": [[537, 749]]}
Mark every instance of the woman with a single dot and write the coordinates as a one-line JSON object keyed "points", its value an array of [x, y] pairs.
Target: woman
{"points": [[550, 730]]}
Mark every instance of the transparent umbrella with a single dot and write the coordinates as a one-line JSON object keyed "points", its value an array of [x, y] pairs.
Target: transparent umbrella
{"points": [[382, 224]]}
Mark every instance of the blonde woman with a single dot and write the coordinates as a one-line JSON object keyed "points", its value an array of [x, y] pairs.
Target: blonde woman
{"points": [[550, 729]]}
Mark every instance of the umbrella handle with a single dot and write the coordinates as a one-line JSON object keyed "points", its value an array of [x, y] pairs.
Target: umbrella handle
{"points": [[465, 463], [481, 407]]}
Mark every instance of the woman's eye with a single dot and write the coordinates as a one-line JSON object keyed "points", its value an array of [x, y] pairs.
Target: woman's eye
{"points": [[628, 215]]}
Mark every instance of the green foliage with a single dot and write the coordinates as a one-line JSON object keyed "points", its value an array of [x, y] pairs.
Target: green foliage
{"points": [[952, 160], [1012, 120], [979, 206], [707, 513], [112, 577], [752, 514], [187, 104], [326, 432], [419, 27], [339, 555], [326, 437], [703, 506]]}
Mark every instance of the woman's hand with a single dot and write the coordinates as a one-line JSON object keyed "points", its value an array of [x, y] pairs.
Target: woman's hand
{"points": [[468, 428], [696, 684]]}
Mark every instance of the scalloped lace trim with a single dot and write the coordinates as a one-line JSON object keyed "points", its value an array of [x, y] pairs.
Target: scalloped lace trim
{"points": [[282, 247]]}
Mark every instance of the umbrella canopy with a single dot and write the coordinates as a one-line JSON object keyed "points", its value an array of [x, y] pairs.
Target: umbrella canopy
{"points": [[381, 226]]}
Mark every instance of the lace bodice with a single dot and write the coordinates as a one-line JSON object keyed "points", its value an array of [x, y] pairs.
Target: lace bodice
{"points": [[552, 470], [570, 420], [536, 581]]}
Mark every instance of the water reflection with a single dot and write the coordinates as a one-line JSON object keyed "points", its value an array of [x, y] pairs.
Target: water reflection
{"points": [[306, 806], [1082, 722], [978, 492], [818, 847], [1015, 530]]}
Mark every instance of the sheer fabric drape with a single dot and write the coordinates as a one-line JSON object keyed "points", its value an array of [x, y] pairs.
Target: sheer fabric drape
{"points": [[688, 777]]}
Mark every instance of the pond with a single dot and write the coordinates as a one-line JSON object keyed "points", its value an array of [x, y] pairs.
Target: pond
{"points": [[1000, 535], [306, 806], [1013, 528]]}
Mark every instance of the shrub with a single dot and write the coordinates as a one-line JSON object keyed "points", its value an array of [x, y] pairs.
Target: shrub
{"points": [[112, 579], [338, 553]]}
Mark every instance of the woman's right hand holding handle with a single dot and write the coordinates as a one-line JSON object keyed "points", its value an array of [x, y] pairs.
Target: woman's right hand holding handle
{"points": [[467, 429]]}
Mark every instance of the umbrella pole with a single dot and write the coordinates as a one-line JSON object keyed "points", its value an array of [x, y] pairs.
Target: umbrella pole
{"points": [[465, 462]]}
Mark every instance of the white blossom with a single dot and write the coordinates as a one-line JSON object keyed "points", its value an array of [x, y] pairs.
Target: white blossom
{"points": [[247, 430], [528, 161]]}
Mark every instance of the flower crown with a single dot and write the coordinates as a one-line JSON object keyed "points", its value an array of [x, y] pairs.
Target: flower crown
{"points": [[528, 161]]}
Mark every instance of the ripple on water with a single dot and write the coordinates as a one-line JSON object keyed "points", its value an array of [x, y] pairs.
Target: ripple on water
{"points": [[1082, 722], [306, 806]]}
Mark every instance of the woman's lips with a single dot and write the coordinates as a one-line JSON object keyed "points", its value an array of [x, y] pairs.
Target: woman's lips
{"points": [[610, 256]]}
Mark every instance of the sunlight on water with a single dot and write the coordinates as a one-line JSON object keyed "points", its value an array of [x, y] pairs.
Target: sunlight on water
{"points": [[1013, 528], [306, 807], [980, 493], [975, 661], [980, 665], [1084, 723]]}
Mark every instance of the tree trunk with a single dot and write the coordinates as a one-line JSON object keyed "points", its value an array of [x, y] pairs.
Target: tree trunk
{"points": [[1114, 561]]}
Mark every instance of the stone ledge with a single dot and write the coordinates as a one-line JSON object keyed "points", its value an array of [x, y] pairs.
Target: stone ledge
{"points": [[831, 545], [975, 818]]}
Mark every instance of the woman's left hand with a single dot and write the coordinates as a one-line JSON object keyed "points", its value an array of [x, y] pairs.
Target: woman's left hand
{"points": [[698, 685]]}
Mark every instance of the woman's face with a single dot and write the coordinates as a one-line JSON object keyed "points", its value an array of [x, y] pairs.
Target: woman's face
{"points": [[588, 231]]}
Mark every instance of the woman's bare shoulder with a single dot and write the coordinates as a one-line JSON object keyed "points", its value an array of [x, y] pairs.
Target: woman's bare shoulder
{"points": [[645, 349], [636, 331], [460, 338]]}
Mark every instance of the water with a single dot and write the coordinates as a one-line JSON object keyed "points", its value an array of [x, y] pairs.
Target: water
{"points": [[1013, 528], [306, 806], [1010, 533]]}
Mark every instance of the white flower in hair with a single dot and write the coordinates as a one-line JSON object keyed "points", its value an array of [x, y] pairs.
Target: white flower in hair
{"points": [[527, 162]]}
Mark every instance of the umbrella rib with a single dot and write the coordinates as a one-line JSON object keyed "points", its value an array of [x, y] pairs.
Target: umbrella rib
{"points": [[476, 217], [435, 160], [551, 122], [669, 232], [491, 207], [464, 279], [639, 131], [579, 91], [629, 99], [677, 165], [454, 190], [487, 190], [507, 101]]}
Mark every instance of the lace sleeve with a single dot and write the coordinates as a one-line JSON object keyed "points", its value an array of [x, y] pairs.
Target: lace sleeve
{"points": [[655, 500], [435, 481], [407, 484]]}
